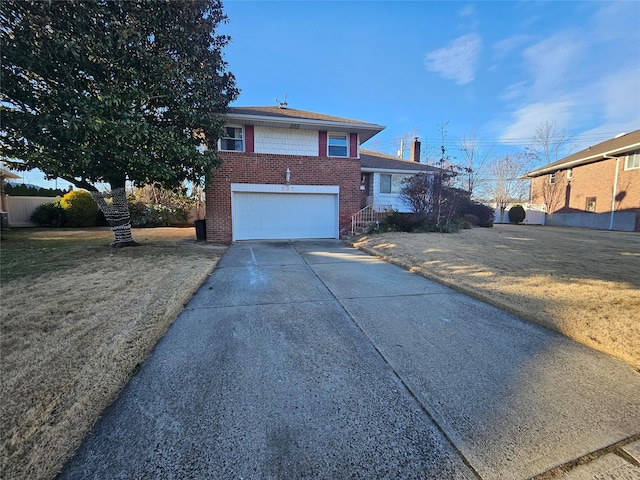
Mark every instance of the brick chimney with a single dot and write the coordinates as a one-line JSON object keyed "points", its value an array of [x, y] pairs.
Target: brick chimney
{"points": [[415, 150]]}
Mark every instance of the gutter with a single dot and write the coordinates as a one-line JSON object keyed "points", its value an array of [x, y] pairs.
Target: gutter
{"points": [[257, 119], [599, 156]]}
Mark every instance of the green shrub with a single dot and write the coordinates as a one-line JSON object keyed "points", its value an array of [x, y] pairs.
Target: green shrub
{"points": [[49, 215], [80, 208], [156, 215], [517, 214], [471, 219], [404, 222], [484, 213]]}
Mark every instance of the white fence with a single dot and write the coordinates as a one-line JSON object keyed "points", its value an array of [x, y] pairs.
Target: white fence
{"points": [[19, 209], [535, 214]]}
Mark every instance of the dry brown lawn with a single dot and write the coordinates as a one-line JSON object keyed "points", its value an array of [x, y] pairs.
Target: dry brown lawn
{"points": [[78, 317], [582, 283]]}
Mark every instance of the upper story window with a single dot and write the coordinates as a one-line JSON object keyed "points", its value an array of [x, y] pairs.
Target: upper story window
{"points": [[570, 173], [337, 145], [552, 178], [232, 140], [632, 161]]}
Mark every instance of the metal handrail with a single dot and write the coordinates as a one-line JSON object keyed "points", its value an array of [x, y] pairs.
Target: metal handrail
{"points": [[362, 218]]}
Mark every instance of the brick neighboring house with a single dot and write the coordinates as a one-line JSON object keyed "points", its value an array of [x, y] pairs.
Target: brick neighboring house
{"points": [[598, 187]]}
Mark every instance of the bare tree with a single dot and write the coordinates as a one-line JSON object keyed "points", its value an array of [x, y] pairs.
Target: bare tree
{"points": [[475, 159], [548, 144], [507, 184], [553, 189]]}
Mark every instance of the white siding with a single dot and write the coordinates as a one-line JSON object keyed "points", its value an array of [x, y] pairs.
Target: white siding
{"points": [[285, 141], [384, 201]]}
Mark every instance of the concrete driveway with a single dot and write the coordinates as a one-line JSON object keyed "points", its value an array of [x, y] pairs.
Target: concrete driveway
{"points": [[313, 360]]}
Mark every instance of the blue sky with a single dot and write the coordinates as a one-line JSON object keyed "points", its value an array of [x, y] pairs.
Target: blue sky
{"points": [[493, 69], [496, 69]]}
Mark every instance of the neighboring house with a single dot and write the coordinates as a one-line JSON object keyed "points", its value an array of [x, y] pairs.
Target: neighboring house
{"points": [[290, 173], [382, 177], [598, 187]]}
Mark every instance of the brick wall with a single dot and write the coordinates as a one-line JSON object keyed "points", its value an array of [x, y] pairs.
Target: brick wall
{"points": [[592, 180], [260, 168]]}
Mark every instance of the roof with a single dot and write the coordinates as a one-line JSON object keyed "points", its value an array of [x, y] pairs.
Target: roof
{"points": [[374, 161], [7, 174], [278, 117], [616, 147]]}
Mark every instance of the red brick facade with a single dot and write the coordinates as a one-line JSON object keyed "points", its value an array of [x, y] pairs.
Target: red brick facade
{"points": [[258, 168], [589, 182]]}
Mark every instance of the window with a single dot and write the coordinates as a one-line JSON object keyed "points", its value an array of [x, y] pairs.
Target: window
{"points": [[337, 145], [392, 183], [590, 204], [385, 183], [632, 161], [570, 173], [233, 140], [552, 178]]}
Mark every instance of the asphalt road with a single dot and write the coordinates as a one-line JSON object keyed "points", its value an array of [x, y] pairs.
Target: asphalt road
{"points": [[313, 360]]}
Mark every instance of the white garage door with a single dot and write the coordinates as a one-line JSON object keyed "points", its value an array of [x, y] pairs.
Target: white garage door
{"points": [[267, 215]]}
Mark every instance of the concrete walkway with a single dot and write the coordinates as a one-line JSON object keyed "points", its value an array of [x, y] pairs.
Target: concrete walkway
{"points": [[313, 360]]}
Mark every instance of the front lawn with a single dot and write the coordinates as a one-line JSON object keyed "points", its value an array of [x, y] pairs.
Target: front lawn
{"points": [[77, 319]]}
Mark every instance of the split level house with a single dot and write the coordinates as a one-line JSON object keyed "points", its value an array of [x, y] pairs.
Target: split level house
{"points": [[598, 187], [288, 174]]}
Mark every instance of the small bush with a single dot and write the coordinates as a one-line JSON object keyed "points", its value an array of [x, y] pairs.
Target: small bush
{"points": [[80, 207], [517, 214], [49, 215], [471, 219], [483, 213], [156, 215], [404, 222]]}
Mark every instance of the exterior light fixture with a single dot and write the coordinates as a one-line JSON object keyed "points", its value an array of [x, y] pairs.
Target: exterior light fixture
{"points": [[287, 176]]}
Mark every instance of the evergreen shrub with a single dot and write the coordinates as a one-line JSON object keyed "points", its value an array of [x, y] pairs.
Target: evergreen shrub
{"points": [[517, 214], [49, 215], [80, 208]]}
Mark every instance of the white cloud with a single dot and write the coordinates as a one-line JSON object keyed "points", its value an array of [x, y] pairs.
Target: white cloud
{"points": [[515, 91], [552, 62], [621, 96], [458, 60], [530, 116], [508, 45]]}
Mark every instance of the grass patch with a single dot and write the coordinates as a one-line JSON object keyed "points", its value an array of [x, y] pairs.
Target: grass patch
{"points": [[78, 317], [582, 283]]}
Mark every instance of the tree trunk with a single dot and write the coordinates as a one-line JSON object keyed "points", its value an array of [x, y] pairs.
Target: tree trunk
{"points": [[116, 210]]}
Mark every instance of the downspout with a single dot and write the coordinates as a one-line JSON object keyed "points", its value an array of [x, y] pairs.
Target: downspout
{"points": [[615, 191]]}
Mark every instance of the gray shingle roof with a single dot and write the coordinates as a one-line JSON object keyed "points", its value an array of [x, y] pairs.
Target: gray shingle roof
{"points": [[380, 161], [275, 111], [615, 147]]}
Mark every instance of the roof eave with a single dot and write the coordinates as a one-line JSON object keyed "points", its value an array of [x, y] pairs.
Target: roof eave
{"points": [[364, 130], [584, 160], [392, 170]]}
